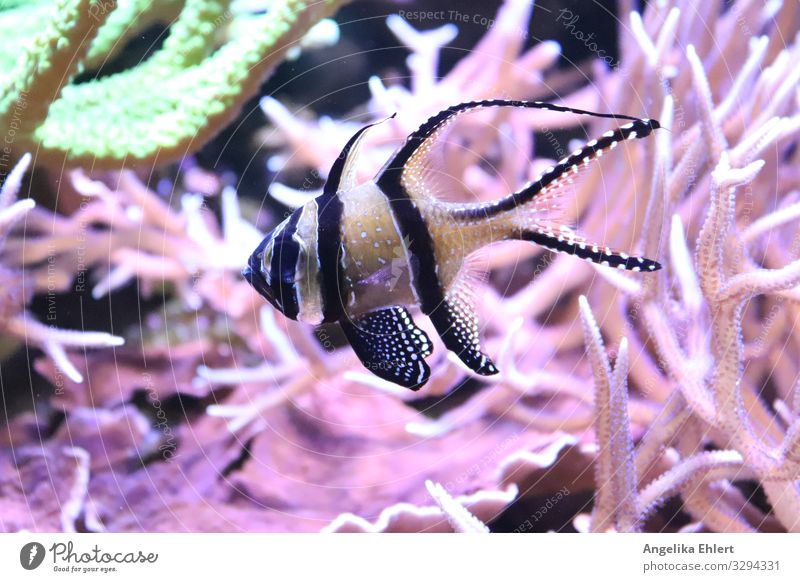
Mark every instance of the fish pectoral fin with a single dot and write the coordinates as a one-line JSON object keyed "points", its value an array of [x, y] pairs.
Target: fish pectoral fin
{"points": [[391, 346], [457, 324]]}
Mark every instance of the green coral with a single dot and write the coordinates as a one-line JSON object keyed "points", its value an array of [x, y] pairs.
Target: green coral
{"points": [[130, 18], [160, 110]]}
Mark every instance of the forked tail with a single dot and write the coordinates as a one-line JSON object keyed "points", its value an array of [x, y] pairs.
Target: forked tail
{"points": [[534, 214], [565, 241]]}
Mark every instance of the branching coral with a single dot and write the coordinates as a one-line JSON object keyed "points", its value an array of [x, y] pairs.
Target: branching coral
{"points": [[15, 321], [618, 504], [459, 517], [167, 106], [695, 312], [701, 404]]}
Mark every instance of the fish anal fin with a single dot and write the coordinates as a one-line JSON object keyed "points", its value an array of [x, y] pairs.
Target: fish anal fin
{"points": [[457, 324], [391, 346], [473, 272]]}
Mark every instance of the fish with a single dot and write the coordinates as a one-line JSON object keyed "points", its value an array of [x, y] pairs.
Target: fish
{"points": [[363, 254]]}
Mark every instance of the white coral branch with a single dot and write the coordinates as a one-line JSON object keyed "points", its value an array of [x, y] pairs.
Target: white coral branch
{"points": [[770, 221], [681, 262], [10, 215], [291, 197], [614, 470], [13, 183], [758, 282], [714, 134], [74, 506], [624, 473], [239, 416], [685, 472], [54, 341], [459, 517]]}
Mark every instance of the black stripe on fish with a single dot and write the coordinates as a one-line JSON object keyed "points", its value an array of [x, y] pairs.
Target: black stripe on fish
{"points": [[453, 320], [329, 243], [285, 254], [330, 249], [414, 232], [391, 346], [593, 253]]}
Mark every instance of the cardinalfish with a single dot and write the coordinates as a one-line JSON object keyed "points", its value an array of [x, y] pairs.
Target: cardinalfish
{"points": [[361, 254]]}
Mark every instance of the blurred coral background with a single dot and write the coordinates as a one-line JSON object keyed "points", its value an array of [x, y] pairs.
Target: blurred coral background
{"points": [[146, 387]]}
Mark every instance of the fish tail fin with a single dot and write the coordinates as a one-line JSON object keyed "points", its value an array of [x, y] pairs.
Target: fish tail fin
{"points": [[566, 241], [535, 212]]}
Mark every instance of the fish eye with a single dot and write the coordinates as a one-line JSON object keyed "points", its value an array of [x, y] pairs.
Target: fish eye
{"points": [[257, 275]]}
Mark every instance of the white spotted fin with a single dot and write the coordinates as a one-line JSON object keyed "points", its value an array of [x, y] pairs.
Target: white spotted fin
{"points": [[391, 346]]}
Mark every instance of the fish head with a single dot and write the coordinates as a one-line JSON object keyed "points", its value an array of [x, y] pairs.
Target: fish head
{"points": [[277, 266]]}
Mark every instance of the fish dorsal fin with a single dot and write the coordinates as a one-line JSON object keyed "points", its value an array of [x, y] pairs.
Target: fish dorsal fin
{"points": [[330, 213], [391, 346], [343, 175], [414, 165], [542, 198]]}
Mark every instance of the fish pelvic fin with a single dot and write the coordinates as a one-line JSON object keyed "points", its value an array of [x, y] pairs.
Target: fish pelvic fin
{"points": [[391, 346]]}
